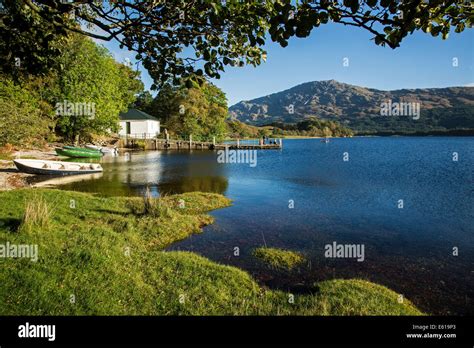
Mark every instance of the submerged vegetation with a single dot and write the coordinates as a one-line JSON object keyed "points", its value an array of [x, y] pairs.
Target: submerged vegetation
{"points": [[104, 256], [279, 258]]}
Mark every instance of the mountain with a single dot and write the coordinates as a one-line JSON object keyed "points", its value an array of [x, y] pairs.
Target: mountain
{"points": [[364, 109]]}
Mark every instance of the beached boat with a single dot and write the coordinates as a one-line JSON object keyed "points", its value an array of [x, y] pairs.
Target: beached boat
{"points": [[75, 148], [104, 150], [71, 151], [56, 167]]}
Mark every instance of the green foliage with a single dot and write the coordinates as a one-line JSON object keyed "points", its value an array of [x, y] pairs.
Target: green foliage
{"points": [[84, 74], [143, 102], [176, 41], [317, 127], [200, 111], [30, 42], [164, 104], [91, 75], [313, 127], [24, 117], [237, 129]]}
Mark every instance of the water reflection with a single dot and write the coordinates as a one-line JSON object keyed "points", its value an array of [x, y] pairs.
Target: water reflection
{"points": [[51, 180], [164, 172]]}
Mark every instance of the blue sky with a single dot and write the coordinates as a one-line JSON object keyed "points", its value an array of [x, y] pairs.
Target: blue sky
{"points": [[422, 61]]}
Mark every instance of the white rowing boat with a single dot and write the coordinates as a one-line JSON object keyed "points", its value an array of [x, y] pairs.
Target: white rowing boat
{"points": [[56, 167]]}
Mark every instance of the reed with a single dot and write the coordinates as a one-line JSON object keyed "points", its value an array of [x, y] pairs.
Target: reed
{"points": [[155, 207], [149, 202], [37, 213]]}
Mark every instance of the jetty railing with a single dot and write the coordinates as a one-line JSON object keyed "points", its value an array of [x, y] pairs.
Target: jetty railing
{"points": [[254, 142], [146, 142], [139, 136]]}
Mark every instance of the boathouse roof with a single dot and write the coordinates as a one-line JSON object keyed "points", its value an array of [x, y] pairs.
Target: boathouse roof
{"points": [[136, 115]]}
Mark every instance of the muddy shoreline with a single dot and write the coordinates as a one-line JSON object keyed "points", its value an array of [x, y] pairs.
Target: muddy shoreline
{"points": [[11, 178]]}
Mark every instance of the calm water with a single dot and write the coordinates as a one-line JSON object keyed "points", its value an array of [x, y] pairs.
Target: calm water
{"points": [[409, 250]]}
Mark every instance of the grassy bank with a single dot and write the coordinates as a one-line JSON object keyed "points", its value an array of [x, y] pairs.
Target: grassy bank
{"points": [[104, 256], [279, 258]]}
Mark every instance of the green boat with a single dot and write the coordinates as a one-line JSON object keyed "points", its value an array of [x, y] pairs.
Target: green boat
{"points": [[78, 152], [75, 148]]}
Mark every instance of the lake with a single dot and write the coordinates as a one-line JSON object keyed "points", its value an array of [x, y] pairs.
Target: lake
{"points": [[407, 200]]}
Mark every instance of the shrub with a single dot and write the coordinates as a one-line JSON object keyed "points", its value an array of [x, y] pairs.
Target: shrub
{"points": [[24, 118], [150, 206]]}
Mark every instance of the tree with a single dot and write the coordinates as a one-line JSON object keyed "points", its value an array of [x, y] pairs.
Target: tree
{"points": [[218, 110], [94, 86], [24, 117], [143, 101], [326, 132], [195, 39], [264, 132], [200, 111], [29, 42], [164, 104], [130, 83]]}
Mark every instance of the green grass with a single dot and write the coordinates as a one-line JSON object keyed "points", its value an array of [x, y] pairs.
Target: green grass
{"points": [[107, 256], [279, 258], [37, 213], [6, 156]]}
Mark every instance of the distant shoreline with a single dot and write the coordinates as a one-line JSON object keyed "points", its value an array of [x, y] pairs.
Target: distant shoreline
{"points": [[455, 132]]}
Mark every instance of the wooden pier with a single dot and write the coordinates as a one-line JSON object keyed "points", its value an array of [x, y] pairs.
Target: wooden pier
{"points": [[168, 144]]}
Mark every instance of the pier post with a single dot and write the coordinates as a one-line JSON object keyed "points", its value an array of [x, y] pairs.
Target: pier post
{"points": [[238, 143], [190, 141], [214, 141], [167, 139]]}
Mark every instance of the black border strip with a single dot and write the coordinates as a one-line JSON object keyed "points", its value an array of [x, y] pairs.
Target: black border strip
{"points": [[240, 330]]}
